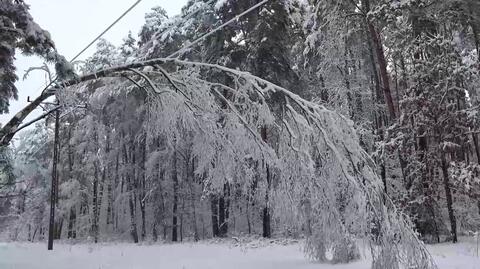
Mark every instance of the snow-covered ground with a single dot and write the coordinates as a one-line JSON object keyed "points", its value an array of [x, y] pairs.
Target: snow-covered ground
{"points": [[204, 255]]}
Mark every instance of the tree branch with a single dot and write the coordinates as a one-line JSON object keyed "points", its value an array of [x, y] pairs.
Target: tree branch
{"points": [[8, 131], [36, 119]]}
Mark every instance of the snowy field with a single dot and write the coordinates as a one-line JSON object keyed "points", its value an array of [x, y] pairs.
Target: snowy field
{"points": [[262, 255]]}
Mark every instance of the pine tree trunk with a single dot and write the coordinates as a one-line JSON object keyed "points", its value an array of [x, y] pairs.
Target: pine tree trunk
{"points": [[133, 223], [376, 97], [382, 64], [267, 233], [196, 236], [116, 208], [110, 215], [159, 209], [58, 229], [134, 178], [477, 152], [267, 229], [397, 92], [226, 195], [143, 213], [174, 218], [181, 219], [175, 196], [95, 205], [247, 213], [222, 224], [448, 194], [142, 186], [71, 234], [476, 146], [266, 218], [214, 209], [154, 232], [131, 206]]}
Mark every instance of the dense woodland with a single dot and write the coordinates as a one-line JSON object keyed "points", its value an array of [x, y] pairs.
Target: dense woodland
{"points": [[321, 119]]}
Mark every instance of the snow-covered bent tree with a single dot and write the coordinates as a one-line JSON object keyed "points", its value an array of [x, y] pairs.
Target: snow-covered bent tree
{"points": [[321, 178]]}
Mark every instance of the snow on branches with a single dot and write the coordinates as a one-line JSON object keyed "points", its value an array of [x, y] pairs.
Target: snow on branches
{"points": [[319, 174]]}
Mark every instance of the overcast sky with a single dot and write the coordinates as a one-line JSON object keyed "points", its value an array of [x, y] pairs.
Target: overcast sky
{"points": [[73, 24]]}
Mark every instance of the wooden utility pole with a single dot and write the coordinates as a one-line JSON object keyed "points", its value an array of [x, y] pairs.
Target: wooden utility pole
{"points": [[53, 191]]}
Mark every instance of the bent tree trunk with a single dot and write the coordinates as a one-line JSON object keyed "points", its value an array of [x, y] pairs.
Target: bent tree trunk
{"points": [[9, 130]]}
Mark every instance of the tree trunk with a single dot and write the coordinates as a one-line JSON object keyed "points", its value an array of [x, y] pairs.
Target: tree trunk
{"points": [[379, 124], [196, 236], [175, 196], [226, 197], [214, 208], [10, 128], [266, 218], [58, 229], [71, 233], [115, 209], [477, 151], [142, 186], [133, 223], [223, 204], [110, 215], [247, 213], [267, 233], [159, 211], [181, 219], [382, 64], [267, 229], [476, 146], [448, 194], [95, 205]]}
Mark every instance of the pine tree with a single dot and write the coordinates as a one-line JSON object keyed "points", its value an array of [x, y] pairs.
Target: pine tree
{"points": [[19, 31]]}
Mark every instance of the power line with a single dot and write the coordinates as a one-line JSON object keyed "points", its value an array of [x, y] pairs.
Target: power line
{"points": [[198, 40], [97, 38], [106, 30], [193, 43]]}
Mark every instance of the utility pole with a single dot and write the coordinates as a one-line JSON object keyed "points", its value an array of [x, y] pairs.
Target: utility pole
{"points": [[53, 191]]}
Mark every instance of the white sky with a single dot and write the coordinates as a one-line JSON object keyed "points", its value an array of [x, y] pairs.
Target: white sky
{"points": [[73, 24]]}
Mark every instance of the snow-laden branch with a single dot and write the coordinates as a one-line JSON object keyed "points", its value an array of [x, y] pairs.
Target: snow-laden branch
{"points": [[226, 127]]}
